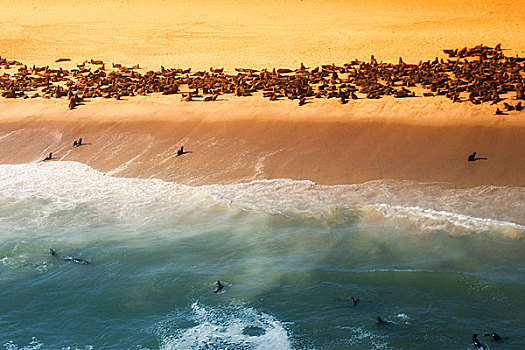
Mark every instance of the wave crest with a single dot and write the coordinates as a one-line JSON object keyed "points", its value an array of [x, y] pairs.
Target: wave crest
{"points": [[42, 193]]}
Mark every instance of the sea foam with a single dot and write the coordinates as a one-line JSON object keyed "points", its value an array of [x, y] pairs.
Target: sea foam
{"points": [[229, 327], [34, 193]]}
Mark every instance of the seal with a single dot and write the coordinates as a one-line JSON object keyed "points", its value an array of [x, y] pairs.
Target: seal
{"points": [[472, 157], [49, 157], [477, 344], [219, 287], [77, 260], [495, 336]]}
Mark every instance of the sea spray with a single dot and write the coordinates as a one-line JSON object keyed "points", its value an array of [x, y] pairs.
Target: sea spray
{"points": [[432, 259], [231, 326]]}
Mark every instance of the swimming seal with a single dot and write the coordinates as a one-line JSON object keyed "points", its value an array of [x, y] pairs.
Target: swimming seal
{"points": [[354, 302], [219, 287], [477, 344], [495, 336], [77, 260]]}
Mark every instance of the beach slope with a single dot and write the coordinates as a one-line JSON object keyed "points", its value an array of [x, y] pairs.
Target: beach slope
{"points": [[244, 139]]}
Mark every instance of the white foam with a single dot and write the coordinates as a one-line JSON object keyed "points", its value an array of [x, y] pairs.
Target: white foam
{"points": [[226, 328], [360, 336], [35, 344], [401, 270], [259, 165], [429, 220], [417, 208], [39, 193], [425, 207]]}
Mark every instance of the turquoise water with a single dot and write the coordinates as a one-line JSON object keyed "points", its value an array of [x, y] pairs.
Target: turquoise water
{"points": [[438, 263]]}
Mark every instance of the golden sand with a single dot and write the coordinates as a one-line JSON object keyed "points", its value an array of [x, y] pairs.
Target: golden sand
{"points": [[256, 34], [422, 139]]}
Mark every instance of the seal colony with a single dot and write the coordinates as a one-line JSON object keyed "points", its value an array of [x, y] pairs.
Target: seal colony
{"points": [[477, 75], [329, 124]]}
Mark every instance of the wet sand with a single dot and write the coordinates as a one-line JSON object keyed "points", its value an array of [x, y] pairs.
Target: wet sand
{"points": [[244, 139]]}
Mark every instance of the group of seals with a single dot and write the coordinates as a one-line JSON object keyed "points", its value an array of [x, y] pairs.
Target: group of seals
{"points": [[78, 143], [479, 74], [477, 344], [475, 341], [219, 287], [75, 144]]}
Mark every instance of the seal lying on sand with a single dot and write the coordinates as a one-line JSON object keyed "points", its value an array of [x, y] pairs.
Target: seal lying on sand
{"points": [[49, 157], [472, 157], [181, 151]]}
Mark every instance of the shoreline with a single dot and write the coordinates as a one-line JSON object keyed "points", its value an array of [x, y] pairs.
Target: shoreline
{"points": [[240, 140], [334, 131]]}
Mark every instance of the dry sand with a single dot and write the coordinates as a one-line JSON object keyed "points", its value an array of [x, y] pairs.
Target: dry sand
{"points": [[255, 34], [422, 139]]}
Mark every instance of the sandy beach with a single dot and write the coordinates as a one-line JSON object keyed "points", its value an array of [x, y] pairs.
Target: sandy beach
{"points": [[353, 174], [242, 139], [200, 33]]}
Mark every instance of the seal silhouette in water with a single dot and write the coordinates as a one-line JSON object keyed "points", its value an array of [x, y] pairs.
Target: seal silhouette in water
{"points": [[69, 258], [219, 287], [495, 336], [354, 302], [77, 260], [477, 344]]}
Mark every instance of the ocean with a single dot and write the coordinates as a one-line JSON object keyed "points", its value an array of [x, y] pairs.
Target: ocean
{"points": [[437, 263]]}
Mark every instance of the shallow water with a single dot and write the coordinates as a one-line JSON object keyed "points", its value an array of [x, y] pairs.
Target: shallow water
{"points": [[438, 263]]}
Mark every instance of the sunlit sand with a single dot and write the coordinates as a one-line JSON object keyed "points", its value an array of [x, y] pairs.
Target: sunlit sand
{"points": [[245, 138]]}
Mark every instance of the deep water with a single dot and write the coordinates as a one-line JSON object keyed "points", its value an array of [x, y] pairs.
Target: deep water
{"points": [[437, 263]]}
